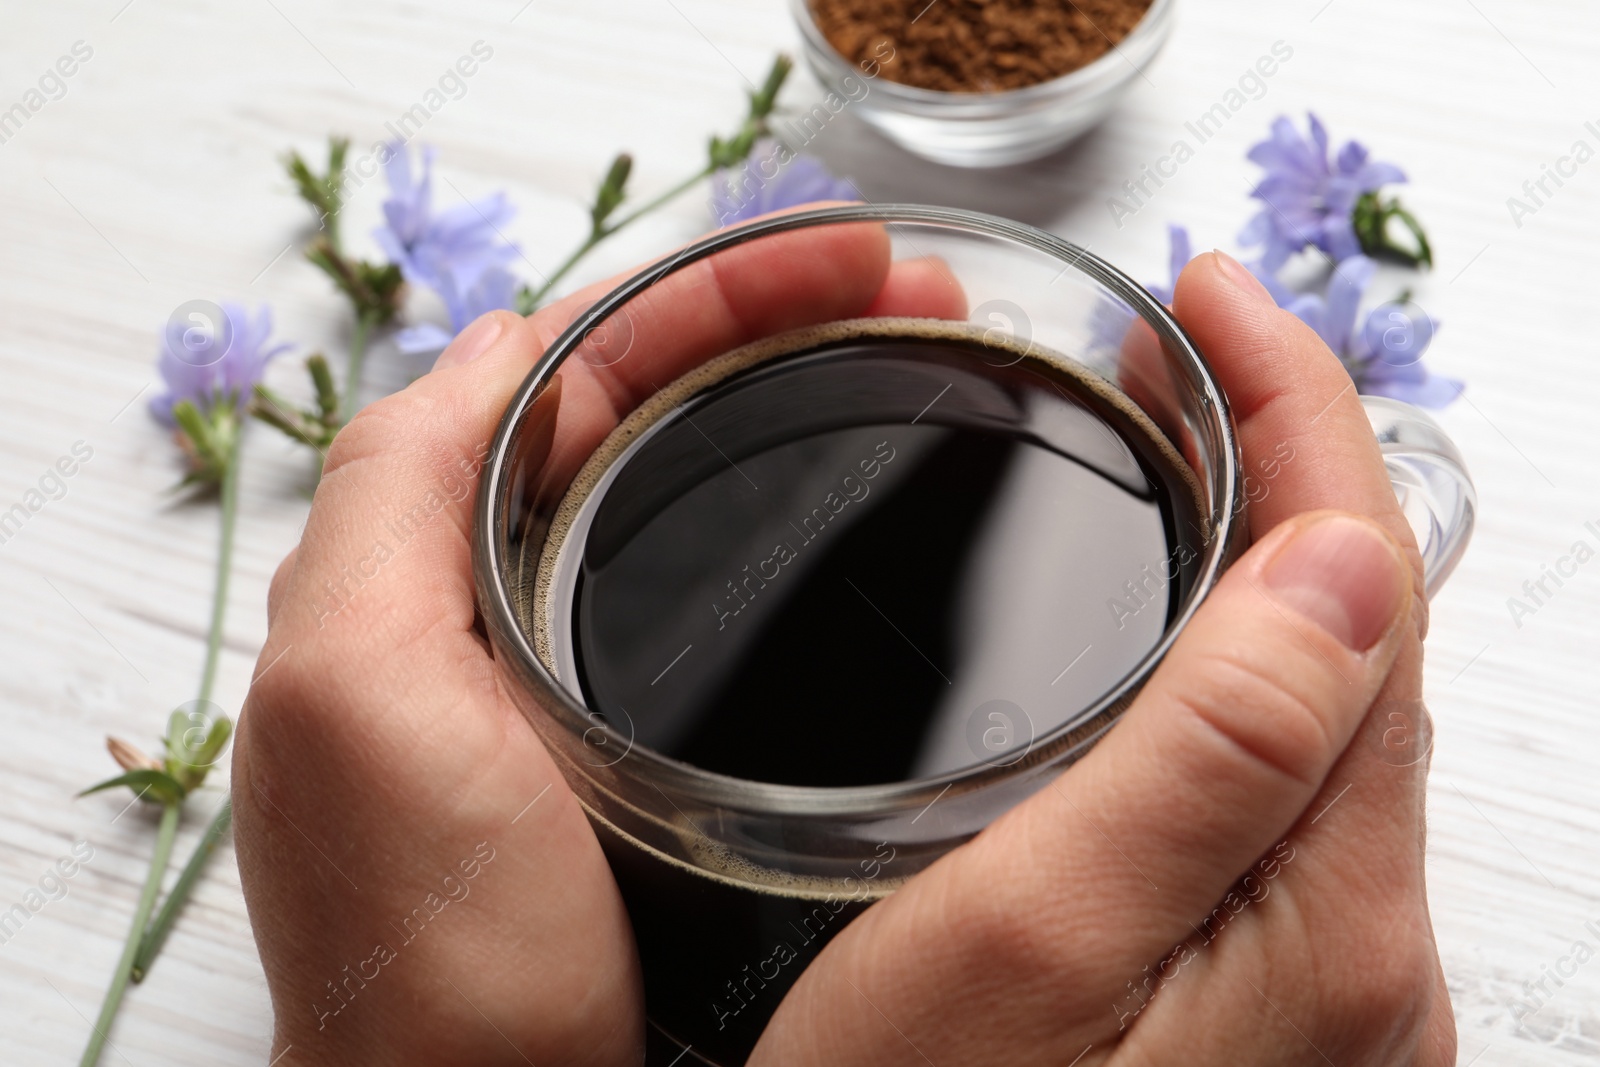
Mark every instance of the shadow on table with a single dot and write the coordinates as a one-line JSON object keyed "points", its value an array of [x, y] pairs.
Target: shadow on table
{"points": [[1038, 193]]}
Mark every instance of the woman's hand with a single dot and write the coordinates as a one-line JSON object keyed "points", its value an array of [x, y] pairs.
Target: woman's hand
{"points": [[425, 889], [423, 886], [1234, 875]]}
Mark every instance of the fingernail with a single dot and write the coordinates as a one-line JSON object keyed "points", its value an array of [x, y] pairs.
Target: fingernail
{"points": [[1242, 279], [470, 343], [1342, 574]]}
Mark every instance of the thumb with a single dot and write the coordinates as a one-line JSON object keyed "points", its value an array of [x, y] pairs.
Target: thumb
{"points": [[1091, 880], [1232, 737]]}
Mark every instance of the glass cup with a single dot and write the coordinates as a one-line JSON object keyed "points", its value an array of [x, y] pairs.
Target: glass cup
{"points": [[734, 884]]}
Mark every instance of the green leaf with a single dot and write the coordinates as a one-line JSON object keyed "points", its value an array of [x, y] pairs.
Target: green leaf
{"points": [[194, 425], [157, 784], [194, 737], [371, 287], [215, 742], [762, 102], [325, 258], [384, 282], [207, 438], [1423, 254], [315, 429], [527, 303], [338, 147], [734, 150], [611, 190], [194, 742], [1370, 219], [322, 382], [275, 411], [323, 192]]}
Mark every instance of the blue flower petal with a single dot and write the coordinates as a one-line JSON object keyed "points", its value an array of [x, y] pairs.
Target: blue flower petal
{"points": [[460, 241], [1311, 200], [1350, 280], [771, 179], [1319, 136], [1425, 390], [1371, 176], [1396, 335], [1339, 239], [423, 338], [1352, 157], [1179, 252], [227, 379]]}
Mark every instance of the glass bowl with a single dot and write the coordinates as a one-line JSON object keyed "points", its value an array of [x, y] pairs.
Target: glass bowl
{"points": [[987, 129]]}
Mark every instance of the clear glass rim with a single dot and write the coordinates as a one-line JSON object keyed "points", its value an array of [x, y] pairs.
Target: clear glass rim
{"points": [[1089, 77], [495, 596]]}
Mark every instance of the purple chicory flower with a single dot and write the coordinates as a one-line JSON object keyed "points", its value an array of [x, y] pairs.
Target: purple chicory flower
{"points": [[1384, 353], [214, 365], [459, 252], [495, 290], [1310, 201], [460, 242], [772, 178]]}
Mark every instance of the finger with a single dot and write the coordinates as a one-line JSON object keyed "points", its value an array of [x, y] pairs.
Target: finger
{"points": [[1305, 440], [385, 556], [1350, 894], [1090, 880], [1307, 444], [597, 394], [748, 292], [920, 288], [1237, 729]]}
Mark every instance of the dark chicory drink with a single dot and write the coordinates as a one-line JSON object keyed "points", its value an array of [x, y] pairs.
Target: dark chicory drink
{"points": [[854, 554]]}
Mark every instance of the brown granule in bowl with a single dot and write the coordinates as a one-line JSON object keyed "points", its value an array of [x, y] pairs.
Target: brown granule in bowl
{"points": [[976, 46]]}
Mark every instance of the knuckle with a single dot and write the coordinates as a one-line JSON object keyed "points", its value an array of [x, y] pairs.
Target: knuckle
{"points": [[293, 698], [381, 427], [1396, 983], [280, 693], [293, 733], [1002, 941], [280, 584], [1274, 716], [1009, 925]]}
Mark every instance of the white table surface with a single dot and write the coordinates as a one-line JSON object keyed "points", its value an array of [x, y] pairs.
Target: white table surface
{"points": [[154, 181]]}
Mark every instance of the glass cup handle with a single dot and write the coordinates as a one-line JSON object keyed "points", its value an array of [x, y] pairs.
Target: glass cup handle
{"points": [[1430, 479]]}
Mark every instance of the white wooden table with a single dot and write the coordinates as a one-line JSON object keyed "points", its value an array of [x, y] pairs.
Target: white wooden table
{"points": [[154, 180]]}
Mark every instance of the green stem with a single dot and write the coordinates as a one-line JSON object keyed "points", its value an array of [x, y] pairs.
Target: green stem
{"points": [[147, 945], [671, 194], [219, 593], [600, 233], [156, 935], [358, 354], [141, 915], [594, 238]]}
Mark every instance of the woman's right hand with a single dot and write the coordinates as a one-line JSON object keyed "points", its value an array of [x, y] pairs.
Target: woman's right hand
{"points": [[1234, 875]]}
